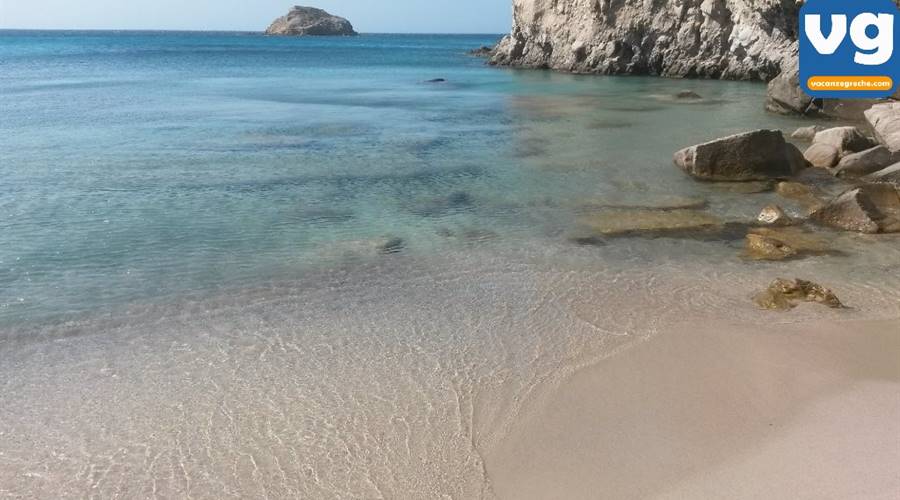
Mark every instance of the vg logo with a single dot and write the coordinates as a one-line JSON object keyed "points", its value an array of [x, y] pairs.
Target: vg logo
{"points": [[849, 49]]}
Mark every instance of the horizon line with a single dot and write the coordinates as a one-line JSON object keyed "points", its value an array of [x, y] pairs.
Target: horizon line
{"points": [[246, 32]]}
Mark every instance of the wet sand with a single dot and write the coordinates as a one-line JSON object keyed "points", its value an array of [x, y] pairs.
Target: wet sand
{"points": [[719, 410]]}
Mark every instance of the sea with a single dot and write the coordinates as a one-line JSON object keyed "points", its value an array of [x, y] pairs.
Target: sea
{"points": [[240, 266]]}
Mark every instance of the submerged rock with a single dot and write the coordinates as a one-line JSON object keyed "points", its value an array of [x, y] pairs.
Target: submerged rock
{"points": [[688, 95], [780, 243], [309, 21], [865, 162], [783, 295], [761, 247], [885, 119], [808, 197], [751, 156], [648, 222], [871, 208]]}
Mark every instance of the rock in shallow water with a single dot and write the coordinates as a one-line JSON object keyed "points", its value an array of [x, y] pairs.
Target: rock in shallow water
{"points": [[780, 243], [865, 162], [871, 208], [648, 222], [785, 294], [890, 175], [309, 21], [751, 156], [809, 198], [774, 215]]}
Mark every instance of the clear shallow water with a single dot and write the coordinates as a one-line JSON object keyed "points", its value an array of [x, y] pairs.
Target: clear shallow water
{"points": [[191, 298]]}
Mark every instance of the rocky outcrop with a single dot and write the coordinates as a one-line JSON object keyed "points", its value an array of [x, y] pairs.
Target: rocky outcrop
{"points": [[730, 39], [309, 21], [757, 155]]}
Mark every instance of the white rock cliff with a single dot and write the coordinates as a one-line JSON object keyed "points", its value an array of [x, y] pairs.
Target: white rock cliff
{"points": [[730, 39]]}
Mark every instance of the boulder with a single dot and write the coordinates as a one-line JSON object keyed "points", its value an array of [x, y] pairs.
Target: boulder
{"points": [[870, 208], [784, 96], [822, 155], [773, 215], [751, 156], [865, 162], [890, 175], [807, 133], [845, 139], [785, 294], [309, 21], [885, 119]]}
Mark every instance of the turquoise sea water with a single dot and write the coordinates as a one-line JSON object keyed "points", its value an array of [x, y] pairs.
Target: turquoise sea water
{"points": [[236, 266], [140, 165]]}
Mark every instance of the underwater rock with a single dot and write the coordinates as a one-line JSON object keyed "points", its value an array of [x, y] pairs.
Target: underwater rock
{"points": [[443, 205], [760, 247], [751, 156], [870, 208], [688, 95], [783, 295], [780, 243], [390, 245], [805, 195], [309, 21], [648, 222]]}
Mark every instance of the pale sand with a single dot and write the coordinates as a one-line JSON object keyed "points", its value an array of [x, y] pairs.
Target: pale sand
{"points": [[729, 411]]}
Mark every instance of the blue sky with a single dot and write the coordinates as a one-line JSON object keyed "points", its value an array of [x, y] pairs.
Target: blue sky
{"points": [[373, 16]]}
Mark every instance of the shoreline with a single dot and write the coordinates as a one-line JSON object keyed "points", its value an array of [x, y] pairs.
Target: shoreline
{"points": [[804, 410]]}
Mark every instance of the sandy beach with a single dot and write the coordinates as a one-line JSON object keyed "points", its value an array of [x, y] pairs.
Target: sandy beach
{"points": [[719, 411]]}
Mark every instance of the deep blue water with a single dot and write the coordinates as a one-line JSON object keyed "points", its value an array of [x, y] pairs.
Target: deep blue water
{"points": [[142, 165]]}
